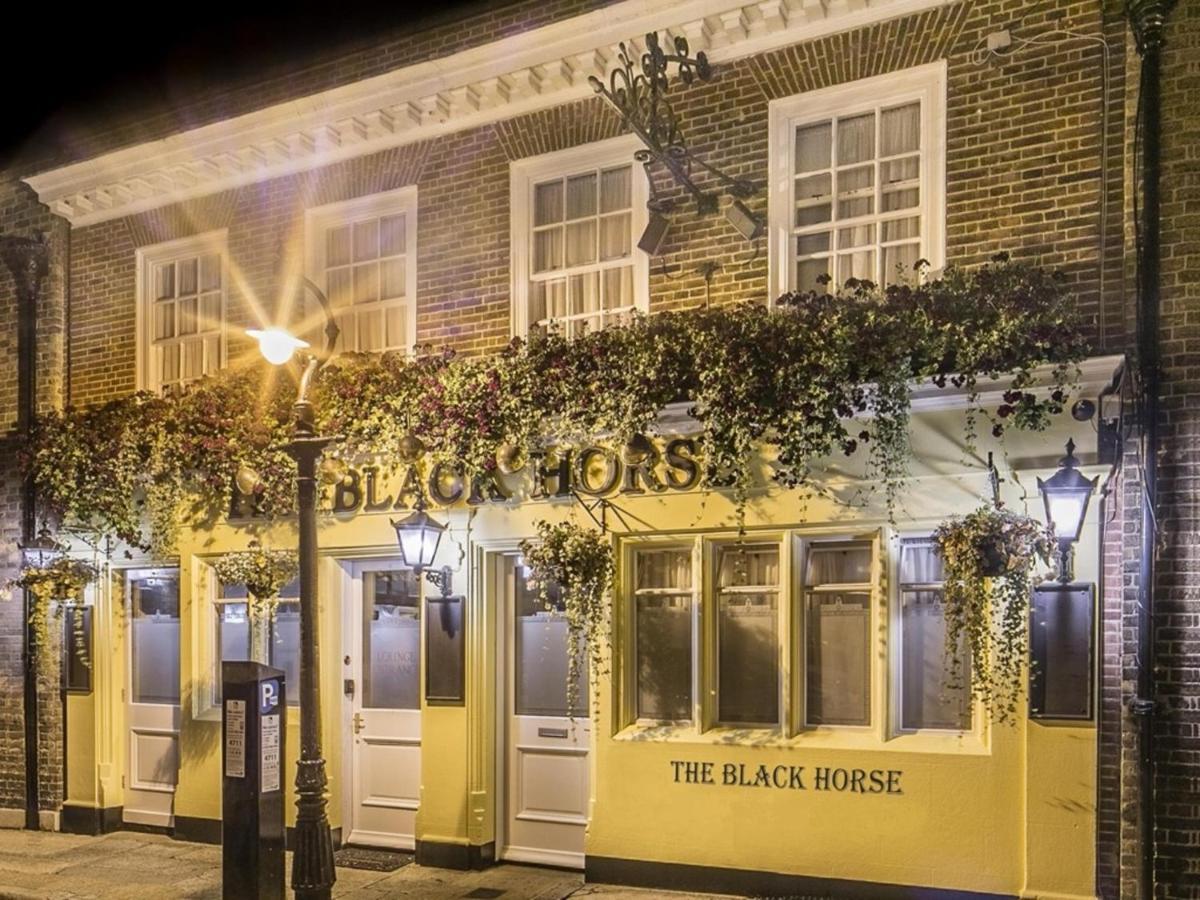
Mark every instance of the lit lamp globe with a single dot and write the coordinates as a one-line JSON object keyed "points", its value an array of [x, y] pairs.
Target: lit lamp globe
{"points": [[41, 550], [276, 345], [419, 536], [1066, 494]]}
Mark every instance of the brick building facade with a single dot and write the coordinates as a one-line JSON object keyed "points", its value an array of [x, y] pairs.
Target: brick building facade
{"points": [[1039, 161]]}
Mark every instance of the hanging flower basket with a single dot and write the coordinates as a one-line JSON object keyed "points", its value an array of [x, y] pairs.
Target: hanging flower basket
{"points": [[263, 572], [61, 581], [572, 570], [989, 557]]}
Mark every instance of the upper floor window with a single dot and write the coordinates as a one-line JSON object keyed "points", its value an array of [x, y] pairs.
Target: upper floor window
{"points": [[362, 253], [181, 307], [858, 174], [576, 218]]}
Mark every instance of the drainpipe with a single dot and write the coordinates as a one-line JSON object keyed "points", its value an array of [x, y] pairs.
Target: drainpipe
{"points": [[1147, 18], [26, 259]]}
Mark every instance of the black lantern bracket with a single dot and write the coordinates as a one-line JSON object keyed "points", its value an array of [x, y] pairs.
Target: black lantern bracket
{"points": [[637, 89]]}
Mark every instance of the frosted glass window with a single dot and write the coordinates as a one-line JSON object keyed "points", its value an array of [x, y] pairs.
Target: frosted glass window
{"points": [[747, 593], [837, 621], [663, 598], [154, 651], [283, 647], [861, 170], [366, 273], [185, 318], [581, 240], [541, 664], [929, 698], [391, 640]]}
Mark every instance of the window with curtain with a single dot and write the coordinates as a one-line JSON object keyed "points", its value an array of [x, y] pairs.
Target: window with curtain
{"points": [[663, 600], [183, 304], [857, 196], [926, 697], [747, 595], [581, 266], [837, 626], [362, 254], [275, 641]]}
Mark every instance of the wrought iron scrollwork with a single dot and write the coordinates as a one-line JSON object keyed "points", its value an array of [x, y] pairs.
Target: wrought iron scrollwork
{"points": [[638, 92]]}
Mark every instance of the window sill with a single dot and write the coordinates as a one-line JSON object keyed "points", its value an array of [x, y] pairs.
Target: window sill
{"points": [[945, 742]]}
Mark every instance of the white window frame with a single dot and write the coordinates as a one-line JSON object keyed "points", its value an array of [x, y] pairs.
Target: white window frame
{"points": [[148, 379], [526, 173], [896, 650], [387, 203], [925, 83]]}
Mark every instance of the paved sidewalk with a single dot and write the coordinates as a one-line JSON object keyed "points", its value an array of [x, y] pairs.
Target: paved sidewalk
{"points": [[133, 866]]}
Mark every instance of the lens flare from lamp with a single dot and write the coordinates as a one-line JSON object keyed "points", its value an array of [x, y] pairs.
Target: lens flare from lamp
{"points": [[276, 344]]}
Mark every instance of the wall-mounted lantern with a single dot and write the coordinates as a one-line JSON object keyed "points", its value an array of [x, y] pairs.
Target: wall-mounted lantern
{"points": [[41, 550], [1066, 495]]}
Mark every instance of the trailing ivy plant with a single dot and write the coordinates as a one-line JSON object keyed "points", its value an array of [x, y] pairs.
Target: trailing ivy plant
{"points": [[989, 557], [817, 374], [60, 582], [263, 572], [573, 569]]}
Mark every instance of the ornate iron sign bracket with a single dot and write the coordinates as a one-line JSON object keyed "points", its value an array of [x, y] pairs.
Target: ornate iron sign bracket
{"points": [[640, 97]]}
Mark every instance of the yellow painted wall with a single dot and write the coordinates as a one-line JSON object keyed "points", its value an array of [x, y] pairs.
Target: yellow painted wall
{"points": [[1004, 809]]}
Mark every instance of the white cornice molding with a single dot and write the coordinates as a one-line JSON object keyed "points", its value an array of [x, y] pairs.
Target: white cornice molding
{"points": [[524, 73]]}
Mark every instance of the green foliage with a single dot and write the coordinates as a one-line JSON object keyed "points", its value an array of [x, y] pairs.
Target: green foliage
{"points": [[61, 581], [264, 573], [573, 571], [989, 556], [803, 376]]}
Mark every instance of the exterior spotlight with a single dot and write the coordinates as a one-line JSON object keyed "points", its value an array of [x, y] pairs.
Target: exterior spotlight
{"points": [[41, 550], [1066, 495], [276, 344], [655, 233], [748, 225], [247, 480], [332, 470], [638, 448], [411, 448], [419, 536]]}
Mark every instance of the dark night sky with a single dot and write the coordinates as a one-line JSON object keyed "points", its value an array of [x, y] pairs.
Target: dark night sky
{"points": [[85, 62]]}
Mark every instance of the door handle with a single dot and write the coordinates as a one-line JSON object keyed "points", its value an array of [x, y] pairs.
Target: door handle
{"points": [[358, 722]]}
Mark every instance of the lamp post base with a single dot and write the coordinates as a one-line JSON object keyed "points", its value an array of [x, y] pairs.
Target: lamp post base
{"points": [[312, 863]]}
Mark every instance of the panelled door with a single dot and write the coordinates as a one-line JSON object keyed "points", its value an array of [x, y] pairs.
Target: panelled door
{"points": [[544, 774], [152, 692], [383, 648]]}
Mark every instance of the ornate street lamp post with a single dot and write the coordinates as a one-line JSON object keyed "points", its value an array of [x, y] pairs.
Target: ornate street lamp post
{"points": [[312, 864]]}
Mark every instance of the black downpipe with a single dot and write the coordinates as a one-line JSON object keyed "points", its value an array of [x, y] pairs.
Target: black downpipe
{"points": [[26, 259], [1148, 18]]}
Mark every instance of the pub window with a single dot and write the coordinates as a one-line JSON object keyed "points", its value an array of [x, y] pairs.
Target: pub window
{"points": [[837, 634], [273, 640], [362, 253], [154, 650], [860, 190], [664, 603], [747, 596], [927, 697], [577, 216], [181, 306]]}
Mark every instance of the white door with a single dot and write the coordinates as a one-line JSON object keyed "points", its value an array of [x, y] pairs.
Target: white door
{"points": [[383, 651], [545, 751], [152, 604]]}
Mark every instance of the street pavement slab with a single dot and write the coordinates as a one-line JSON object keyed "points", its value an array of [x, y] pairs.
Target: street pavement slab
{"points": [[130, 865]]}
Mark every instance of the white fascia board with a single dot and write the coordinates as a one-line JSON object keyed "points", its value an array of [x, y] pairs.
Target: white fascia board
{"points": [[1095, 374], [724, 29]]}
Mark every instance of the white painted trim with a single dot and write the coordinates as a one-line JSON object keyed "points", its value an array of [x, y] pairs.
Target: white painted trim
{"points": [[926, 83], [401, 200], [379, 839], [525, 173], [151, 255], [535, 70], [562, 859]]}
